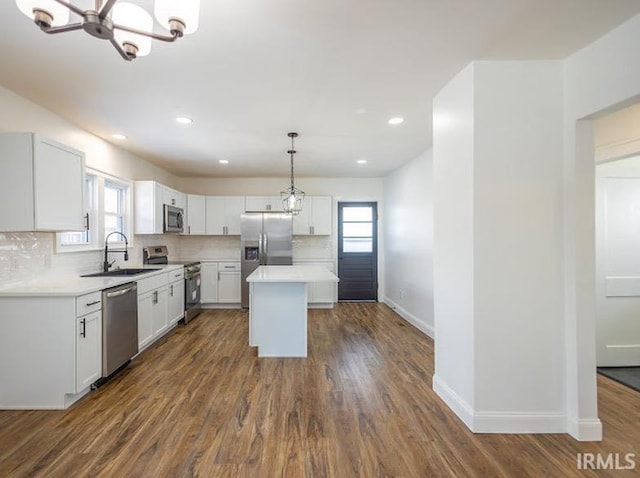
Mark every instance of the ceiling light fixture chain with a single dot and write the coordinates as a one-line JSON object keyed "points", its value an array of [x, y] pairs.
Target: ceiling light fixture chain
{"points": [[127, 26], [292, 198]]}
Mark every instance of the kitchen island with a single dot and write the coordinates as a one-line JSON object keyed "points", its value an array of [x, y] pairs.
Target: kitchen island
{"points": [[278, 308]]}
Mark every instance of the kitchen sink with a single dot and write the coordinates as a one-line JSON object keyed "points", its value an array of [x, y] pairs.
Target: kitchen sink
{"points": [[120, 272]]}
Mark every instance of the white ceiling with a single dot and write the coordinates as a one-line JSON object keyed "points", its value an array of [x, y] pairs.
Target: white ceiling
{"points": [[333, 70]]}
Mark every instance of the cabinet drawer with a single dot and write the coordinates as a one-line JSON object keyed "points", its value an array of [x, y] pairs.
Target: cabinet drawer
{"points": [[229, 267], [151, 283], [176, 275], [86, 304]]}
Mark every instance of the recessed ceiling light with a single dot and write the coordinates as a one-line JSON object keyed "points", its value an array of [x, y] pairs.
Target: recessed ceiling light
{"points": [[361, 161], [396, 120], [224, 161], [119, 136], [184, 120]]}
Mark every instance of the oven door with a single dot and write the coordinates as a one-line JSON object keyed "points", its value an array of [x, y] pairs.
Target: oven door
{"points": [[192, 290]]}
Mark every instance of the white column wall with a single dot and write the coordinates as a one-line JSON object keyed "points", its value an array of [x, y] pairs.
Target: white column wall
{"points": [[498, 243], [517, 240], [408, 239], [453, 171]]}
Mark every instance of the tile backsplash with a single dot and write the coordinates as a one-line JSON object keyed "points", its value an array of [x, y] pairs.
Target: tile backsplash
{"points": [[27, 256]]}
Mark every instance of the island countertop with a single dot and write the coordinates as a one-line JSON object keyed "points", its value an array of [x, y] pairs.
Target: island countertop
{"points": [[297, 273]]}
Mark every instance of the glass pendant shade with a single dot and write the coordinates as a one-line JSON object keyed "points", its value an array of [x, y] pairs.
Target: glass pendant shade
{"points": [[132, 16], [292, 201], [185, 11], [58, 12]]}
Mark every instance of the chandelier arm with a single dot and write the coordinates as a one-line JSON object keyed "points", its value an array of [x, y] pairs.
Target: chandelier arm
{"points": [[106, 8], [156, 36], [120, 50], [73, 8], [62, 29]]}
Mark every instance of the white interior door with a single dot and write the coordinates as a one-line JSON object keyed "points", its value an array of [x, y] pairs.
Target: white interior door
{"points": [[618, 263]]}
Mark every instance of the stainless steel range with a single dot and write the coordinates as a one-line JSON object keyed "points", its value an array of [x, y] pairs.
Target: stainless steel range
{"points": [[192, 278]]}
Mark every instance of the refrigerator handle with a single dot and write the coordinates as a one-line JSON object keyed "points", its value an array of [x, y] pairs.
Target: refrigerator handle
{"points": [[266, 246], [260, 249]]}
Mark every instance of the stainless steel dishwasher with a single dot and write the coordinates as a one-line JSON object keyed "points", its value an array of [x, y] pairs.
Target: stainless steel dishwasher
{"points": [[119, 326]]}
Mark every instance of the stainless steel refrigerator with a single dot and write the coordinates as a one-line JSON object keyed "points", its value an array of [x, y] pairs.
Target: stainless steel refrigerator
{"points": [[265, 239]]}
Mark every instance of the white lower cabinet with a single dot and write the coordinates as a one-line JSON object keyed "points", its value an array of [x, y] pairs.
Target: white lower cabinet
{"points": [[153, 294], [229, 282], [175, 306], [321, 292], [220, 283], [88, 350], [209, 286]]}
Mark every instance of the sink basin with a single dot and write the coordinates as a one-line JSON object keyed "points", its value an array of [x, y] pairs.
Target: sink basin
{"points": [[120, 272]]}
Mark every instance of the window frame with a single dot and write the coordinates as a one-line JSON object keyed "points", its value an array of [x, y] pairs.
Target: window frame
{"points": [[97, 214]]}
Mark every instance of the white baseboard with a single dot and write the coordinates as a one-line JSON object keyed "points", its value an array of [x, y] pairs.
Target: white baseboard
{"points": [[510, 422], [421, 325], [519, 422], [585, 429], [459, 406]]}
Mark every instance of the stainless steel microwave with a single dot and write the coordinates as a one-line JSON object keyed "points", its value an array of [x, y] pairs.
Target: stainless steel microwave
{"points": [[173, 219]]}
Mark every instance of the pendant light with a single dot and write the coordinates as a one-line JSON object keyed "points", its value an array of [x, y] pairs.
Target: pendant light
{"points": [[292, 198], [127, 26]]}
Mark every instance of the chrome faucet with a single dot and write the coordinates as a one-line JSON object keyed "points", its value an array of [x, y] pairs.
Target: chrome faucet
{"points": [[107, 264]]}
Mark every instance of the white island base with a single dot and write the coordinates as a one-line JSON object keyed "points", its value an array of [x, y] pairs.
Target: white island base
{"points": [[278, 308]]}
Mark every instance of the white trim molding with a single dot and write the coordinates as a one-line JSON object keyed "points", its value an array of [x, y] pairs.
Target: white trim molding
{"points": [[516, 422], [455, 402], [419, 324], [585, 429]]}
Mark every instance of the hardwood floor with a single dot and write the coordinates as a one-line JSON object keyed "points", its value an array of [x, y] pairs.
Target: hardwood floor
{"points": [[200, 403]]}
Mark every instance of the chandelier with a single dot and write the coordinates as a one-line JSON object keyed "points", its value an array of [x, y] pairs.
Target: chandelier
{"points": [[292, 198], [126, 25]]}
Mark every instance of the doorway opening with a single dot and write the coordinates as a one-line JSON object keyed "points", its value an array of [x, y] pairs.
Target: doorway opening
{"points": [[358, 251]]}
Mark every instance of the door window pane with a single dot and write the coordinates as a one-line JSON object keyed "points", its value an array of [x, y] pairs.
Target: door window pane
{"points": [[357, 229], [357, 244], [363, 214]]}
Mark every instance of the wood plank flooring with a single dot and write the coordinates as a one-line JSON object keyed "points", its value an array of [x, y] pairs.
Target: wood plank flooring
{"points": [[200, 403]]}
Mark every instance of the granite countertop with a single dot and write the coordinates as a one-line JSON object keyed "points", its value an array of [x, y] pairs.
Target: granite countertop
{"points": [[296, 273], [74, 285]]}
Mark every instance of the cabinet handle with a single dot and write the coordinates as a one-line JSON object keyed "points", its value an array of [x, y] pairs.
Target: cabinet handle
{"points": [[218, 275], [155, 297], [86, 221], [189, 228], [92, 303], [84, 328], [171, 290], [310, 229], [176, 276]]}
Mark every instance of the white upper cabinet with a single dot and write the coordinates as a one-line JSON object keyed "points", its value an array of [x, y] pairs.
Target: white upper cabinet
{"points": [[150, 198], [148, 206], [223, 215], [174, 198], [196, 215], [314, 218], [263, 203], [41, 184]]}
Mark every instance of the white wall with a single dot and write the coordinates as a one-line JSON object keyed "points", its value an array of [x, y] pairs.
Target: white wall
{"points": [[304, 247], [24, 256], [498, 243], [453, 171], [29, 255], [602, 77], [408, 238]]}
